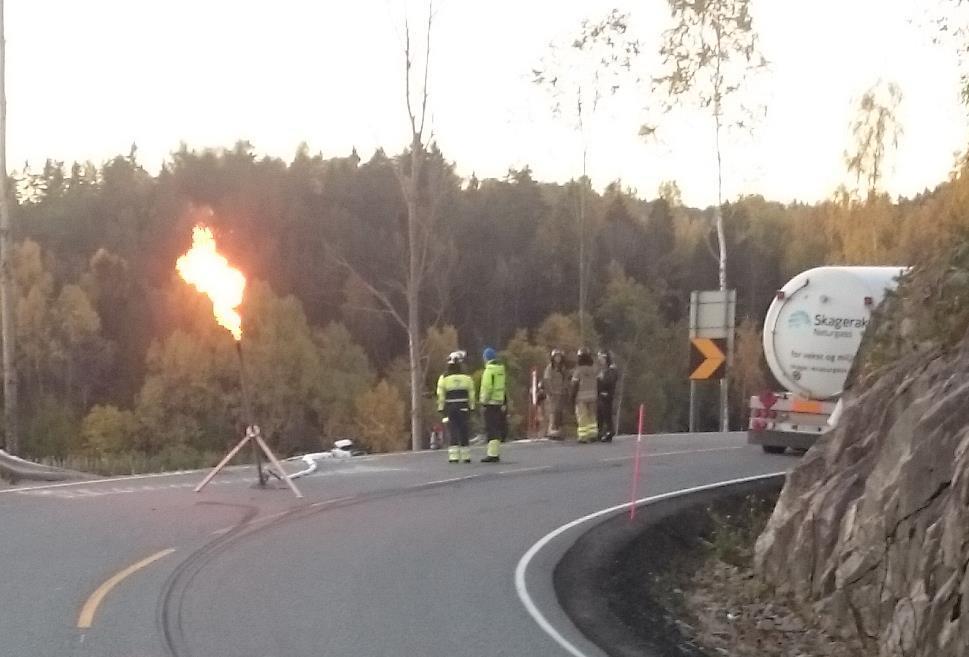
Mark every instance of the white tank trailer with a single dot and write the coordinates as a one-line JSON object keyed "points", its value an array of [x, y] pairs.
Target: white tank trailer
{"points": [[812, 332]]}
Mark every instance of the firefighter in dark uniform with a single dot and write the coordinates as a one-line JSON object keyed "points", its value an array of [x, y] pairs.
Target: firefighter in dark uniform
{"points": [[455, 401], [607, 379], [494, 404]]}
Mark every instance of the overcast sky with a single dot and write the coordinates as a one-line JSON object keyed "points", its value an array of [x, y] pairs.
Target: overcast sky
{"points": [[88, 78]]}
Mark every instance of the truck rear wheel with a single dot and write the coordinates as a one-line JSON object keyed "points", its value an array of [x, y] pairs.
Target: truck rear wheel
{"points": [[774, 449]]}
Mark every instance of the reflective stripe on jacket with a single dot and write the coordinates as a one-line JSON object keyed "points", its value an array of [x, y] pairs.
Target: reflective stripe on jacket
{"points": [[455, 389]]}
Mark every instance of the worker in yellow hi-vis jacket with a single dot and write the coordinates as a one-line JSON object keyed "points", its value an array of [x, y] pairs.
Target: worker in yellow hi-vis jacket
{"points": [[455, 401], [494, 404]]}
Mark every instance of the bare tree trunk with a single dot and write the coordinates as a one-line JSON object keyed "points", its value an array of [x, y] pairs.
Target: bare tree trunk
{"points": [[413, 297], [583, 265], [722, 278], [721, 233], [7, 324]]}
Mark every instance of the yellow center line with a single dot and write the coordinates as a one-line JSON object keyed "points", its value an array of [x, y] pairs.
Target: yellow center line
{"points": [[86, 617]]}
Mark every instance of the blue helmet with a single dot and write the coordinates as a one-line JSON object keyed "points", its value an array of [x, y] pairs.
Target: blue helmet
{"points": [[489, 354]]}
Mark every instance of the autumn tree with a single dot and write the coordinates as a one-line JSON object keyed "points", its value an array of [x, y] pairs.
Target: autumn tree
{"points": [[875, 130], [646, 349], [380, 418]]}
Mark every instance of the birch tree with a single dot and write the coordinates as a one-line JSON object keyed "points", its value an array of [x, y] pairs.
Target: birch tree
{"points": [[708, 55], [876, 131]]}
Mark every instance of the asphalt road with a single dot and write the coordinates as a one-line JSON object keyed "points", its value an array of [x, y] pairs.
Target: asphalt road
{"points": [[392, 555]]}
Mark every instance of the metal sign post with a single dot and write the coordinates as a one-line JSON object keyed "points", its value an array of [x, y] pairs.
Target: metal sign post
{"points": [[712, 321]]}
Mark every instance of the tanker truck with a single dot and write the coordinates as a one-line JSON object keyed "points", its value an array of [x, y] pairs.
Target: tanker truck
{"points": [[812, 332]]}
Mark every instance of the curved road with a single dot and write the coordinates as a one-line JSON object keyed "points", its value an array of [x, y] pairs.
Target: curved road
{"points": [[392, 555]]}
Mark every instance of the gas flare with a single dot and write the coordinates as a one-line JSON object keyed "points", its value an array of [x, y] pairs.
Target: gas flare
{"points": [[211, 274]]}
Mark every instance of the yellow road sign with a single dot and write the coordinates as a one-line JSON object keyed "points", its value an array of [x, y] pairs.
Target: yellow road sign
{"points": [[708, 358]]}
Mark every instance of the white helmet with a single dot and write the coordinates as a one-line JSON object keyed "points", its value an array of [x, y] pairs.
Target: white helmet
{"points": [[456, 357]]}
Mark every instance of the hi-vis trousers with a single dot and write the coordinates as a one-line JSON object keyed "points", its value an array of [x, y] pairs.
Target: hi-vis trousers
{"points": [[585, 418]]}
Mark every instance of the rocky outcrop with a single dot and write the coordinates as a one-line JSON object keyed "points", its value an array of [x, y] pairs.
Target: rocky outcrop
{"points": [[871, 531]]}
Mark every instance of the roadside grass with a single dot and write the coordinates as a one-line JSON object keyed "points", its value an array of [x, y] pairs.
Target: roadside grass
{"points": [[734, 530], [131, 463]]}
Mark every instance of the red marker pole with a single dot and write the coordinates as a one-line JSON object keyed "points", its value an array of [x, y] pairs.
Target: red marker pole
{"points": [[533, 405], [636, 461]]}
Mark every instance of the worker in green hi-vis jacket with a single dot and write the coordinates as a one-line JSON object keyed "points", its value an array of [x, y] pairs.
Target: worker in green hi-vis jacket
{"points": [[494, 404]]}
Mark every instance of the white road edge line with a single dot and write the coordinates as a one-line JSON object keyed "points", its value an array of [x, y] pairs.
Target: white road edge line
{"points": [[445, 481], [647, 455], [522, 567], [536, 468]]}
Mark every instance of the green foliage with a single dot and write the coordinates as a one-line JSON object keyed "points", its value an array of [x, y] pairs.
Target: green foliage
{"points": [[734, 533], [52, 428], [562, 331], [108, 430], [438, 343], [380, 419], [646, 351], [928, 311], [107, 332], [749, 375], [186, 398], [345, 373]]}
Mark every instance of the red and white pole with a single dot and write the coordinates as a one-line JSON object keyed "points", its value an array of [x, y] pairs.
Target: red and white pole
{"points": [[636, 464], [533, 406]]}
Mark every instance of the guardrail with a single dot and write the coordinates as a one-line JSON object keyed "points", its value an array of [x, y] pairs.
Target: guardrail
{"points": [[13, 469]]}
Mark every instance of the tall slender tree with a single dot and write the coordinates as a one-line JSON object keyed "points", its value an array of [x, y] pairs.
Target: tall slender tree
{"points": [[422, 176], [7, 319], [578, 74], [708, 56]]}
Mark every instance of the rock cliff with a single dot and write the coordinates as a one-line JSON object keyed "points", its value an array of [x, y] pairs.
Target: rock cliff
{"points": [[871, 532]]}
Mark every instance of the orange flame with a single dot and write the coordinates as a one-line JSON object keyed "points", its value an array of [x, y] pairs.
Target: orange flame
{"points": [[211, 274]]}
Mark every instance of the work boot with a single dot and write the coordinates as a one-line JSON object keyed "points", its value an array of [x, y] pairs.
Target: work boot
{"points": [[453, 454], [465, 455], [493, 449]]}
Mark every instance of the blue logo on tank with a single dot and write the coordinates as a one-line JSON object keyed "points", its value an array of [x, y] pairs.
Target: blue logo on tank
{"points": [[799, 319]]}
